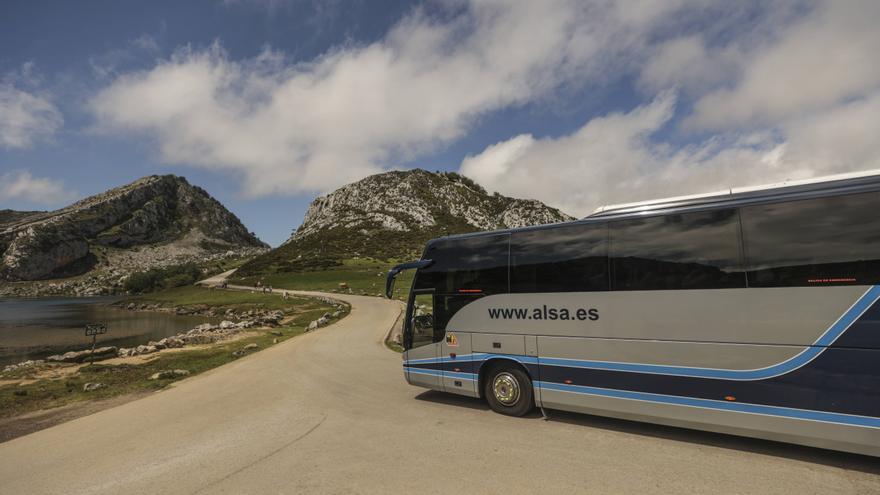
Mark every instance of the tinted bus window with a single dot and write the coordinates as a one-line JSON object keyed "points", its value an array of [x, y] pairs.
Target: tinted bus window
{"points": [[825, 241], [698, 250], [560, 259], [467, 264], [447, 305]]}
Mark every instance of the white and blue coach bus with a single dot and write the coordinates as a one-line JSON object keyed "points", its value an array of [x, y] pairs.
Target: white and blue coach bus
{"points": [[752, 312]]}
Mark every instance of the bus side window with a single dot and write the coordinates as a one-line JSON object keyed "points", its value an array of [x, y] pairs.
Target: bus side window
{"points": [[560, 259], [813, 242], [699, 250], [423, 320], [447, 306], [469, 264]]}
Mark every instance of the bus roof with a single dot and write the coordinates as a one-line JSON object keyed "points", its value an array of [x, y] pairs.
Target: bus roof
{"points": [[788, 186], [830, 185]]}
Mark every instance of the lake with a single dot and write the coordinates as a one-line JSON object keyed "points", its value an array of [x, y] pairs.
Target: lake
{"points": [[36, 328]]}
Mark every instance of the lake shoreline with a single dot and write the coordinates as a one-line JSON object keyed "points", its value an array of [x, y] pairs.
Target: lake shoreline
{"points": [[35, 328], [44, 394]]}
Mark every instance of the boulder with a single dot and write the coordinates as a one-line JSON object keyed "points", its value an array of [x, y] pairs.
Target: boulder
{"points": [[21, 365], [80, 356], [90, 386], [226, 324], [168, 374], [312, 326], [250, 347]]}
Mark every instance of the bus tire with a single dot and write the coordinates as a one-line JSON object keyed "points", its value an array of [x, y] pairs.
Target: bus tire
{"points": [[508, 390]]}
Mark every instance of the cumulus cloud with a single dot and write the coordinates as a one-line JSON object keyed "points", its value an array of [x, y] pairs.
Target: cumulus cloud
{"points": [[27, 115], [613, 158], [21, 185], [796, 101], [310, 126], [822, 60]]}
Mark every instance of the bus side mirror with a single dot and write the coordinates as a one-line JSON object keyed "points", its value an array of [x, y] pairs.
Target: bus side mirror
{"points": [[392, 273]]}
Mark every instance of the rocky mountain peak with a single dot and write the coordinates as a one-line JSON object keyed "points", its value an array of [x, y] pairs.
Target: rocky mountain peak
{"points": [[163, 213], [406, 201], [391, 216]]}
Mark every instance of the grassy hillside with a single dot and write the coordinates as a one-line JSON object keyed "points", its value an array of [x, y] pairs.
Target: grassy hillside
{"points": [[391, 216], [362, 276]]}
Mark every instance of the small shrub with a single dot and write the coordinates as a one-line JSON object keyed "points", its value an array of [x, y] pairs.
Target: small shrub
{"points": [[163, 278]]}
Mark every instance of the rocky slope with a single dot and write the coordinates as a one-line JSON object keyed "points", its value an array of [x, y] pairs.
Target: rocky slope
{"points": [[154, 221], [392, 215]]}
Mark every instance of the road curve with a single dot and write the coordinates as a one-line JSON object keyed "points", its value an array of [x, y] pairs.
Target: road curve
{"points": [[329, 412]]}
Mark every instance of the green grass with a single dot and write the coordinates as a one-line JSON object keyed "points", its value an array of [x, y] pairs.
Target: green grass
{"points": [[361, 275], [193, 296], [212, 268], [133, 378], [394, 347], [128, 378]]}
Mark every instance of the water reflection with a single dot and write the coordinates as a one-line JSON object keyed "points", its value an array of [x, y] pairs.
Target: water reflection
{"points": [[35, 328]]}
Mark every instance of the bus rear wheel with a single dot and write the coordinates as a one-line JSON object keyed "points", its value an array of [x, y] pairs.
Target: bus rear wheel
{"points": [[508, 390]]}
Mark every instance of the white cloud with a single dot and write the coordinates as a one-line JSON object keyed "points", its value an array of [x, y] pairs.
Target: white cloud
{"points": [[25, 116], [822, 60], [791, 98], [22, 186], [758, 92], [613, 159], [294, 127], [687, 64]]}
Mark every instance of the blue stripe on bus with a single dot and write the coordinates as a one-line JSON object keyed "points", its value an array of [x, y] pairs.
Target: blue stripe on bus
{"points": [[448, 374], [804, 357], [804, 414]]}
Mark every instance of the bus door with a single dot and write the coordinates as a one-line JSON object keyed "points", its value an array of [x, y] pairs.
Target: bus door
{"points": [[422, 342], [459, 375]]}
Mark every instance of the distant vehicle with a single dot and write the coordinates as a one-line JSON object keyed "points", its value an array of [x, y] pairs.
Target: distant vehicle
{"points": [[752, 312]]}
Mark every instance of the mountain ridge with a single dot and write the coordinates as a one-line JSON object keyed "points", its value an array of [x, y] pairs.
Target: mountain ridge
{"points": [[156, 220], [391, 215]]}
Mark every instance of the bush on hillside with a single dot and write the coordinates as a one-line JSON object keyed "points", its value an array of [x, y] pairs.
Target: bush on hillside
{"points": [[163, 278]]}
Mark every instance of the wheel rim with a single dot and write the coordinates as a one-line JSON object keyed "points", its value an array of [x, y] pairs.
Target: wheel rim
{"points": [[505, 388]]}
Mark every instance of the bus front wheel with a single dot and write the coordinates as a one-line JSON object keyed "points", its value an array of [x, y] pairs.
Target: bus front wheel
{"points": [[508, 390]]}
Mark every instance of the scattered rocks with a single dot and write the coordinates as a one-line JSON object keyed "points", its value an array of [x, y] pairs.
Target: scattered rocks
{"points": [[24, 364], [91, 386], [168, 374], [100, 353]]}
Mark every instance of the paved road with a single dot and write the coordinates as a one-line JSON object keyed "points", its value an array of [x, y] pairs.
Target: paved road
{"points": [[329, 412]]}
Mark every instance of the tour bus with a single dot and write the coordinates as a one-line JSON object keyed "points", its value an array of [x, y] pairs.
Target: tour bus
{"points": [[751, 312]]}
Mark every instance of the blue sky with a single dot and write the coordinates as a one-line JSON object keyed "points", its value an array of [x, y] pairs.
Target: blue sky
{"points": [[267, 104]]}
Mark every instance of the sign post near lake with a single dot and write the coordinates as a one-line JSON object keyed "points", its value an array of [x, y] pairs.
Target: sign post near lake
{"points": [[94, 329]]}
